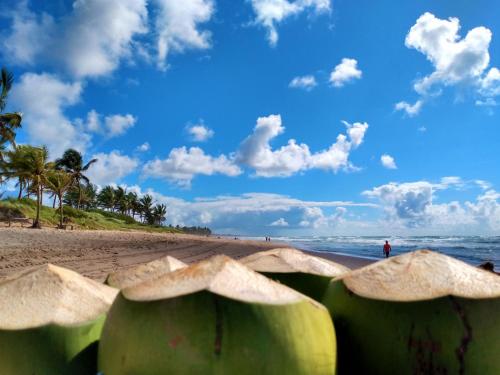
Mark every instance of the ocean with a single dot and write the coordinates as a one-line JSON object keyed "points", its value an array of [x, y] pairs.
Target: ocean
{"points": [[471, 249]]}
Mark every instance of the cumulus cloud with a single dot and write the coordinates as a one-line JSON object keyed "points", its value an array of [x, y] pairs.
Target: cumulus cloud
{"points": [[269, 13], [412, 205], [177, 25], [183, 164], [111, 168], [456, 60], [97, 35], [144, 147], [388, 161], [118, 124], [303, 82], [410, 109], [252, 213], [200, 133], [28, 34], [345, 72], [112, 126], [490, 84], [90, 41], [256, 152], [44, 117], [281, 222]]}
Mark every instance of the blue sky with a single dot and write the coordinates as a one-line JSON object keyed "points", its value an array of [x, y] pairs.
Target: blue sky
{"points": [[391, 108]]}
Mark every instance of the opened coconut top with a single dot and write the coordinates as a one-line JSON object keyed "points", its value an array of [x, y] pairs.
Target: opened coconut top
{"points": [[421, 275], [290, 260], [135, 275], [51, 295], [219, 275]]}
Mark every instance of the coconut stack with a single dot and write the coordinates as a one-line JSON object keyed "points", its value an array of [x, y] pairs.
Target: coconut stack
{"points": [[142, 272], [418, 313], [306, 273], [216, 317], [50, 321]]}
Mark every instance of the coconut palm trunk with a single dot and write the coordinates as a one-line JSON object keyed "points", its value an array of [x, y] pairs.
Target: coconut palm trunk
{"points": [[61, 213], [36, 223], [20, 195]]}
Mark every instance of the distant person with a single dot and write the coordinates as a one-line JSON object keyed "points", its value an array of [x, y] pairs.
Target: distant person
{"points": [[387, 249]]}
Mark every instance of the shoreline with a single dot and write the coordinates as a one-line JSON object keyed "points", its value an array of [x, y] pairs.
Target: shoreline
{"points": [[96, 253]]}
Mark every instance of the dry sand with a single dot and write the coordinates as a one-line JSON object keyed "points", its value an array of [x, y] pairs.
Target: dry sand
{"points": [[96, 253]]}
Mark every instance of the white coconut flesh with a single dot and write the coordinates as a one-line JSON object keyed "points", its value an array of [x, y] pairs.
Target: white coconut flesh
{"points": [[220, 275], [51, 295], [290, 260], [135, 275], [421, 275]]}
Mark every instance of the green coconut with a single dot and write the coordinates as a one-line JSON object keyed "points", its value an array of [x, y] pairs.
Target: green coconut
{"points": [[417, 313], [50, 321], [303, 272], [142, 272], [216, 317]]}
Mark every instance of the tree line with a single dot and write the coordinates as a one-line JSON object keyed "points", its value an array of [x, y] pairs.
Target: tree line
{"points": [[64, 179]]}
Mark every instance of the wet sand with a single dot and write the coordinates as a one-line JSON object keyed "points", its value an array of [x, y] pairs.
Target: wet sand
{"points": [[96, 253]]}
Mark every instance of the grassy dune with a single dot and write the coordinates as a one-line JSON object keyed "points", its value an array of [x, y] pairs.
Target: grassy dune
{"points": [[94, 219]]}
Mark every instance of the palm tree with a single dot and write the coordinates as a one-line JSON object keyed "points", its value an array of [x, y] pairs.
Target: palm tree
{"points": [[121, 200], [59, 182], [14, 167], [107, 198], [8, 121], [159, 213], [34, 167], [146, 203], [72, 162]]}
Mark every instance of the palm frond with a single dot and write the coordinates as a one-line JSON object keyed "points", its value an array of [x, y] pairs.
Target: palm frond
{"points": [[12, 120], [87, 166], [6, 80]]}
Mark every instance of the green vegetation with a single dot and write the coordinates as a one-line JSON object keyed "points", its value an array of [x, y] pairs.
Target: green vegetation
{"points": [[92, 219]]}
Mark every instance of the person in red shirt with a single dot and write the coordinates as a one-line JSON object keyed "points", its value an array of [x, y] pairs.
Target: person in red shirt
{"points": [[387, 249]]}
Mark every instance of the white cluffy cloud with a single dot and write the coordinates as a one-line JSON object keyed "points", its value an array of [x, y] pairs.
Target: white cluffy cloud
{"points": [[183, 164], [111, 168], [97, 35], [410, 109], [388, 161], [345, 72], [456, 60], [88, 42], [412, 205], [256, 152], [252, 213], [200, 133], [304, 82], [44, 117], [144, 147], [281, 222], [177, 26], [269, 13], [113, 125]]}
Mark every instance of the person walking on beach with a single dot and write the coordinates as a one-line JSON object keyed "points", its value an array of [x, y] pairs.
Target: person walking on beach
{"points": [[387, 249]]}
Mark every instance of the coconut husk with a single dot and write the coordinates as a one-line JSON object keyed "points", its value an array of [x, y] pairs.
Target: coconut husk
{"points": [[285, 260], [421, 275], [135, 275], [51, 295]]}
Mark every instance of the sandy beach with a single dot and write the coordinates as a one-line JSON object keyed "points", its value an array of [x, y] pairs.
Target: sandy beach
{"points": [[96, 253]]}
